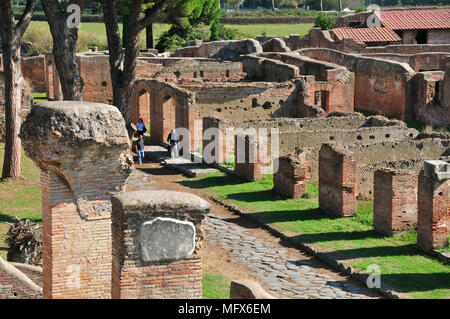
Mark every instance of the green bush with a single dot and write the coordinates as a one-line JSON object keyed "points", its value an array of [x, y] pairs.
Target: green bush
{"points": [[177, 37], [359, 10], [221, 32], [324, 21]]}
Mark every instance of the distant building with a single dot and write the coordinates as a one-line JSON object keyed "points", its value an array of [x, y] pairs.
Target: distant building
{"points": [[413, 26]]}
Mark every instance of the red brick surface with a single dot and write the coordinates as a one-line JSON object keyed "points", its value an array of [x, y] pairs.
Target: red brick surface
{"points": [[395, 201], [434, 212], [337, 181]]}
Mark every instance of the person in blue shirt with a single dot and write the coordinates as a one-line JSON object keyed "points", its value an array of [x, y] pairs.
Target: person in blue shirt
{"points": [[141, 129]]}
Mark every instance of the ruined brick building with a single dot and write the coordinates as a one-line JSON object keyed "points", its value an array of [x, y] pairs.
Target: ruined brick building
{"points": [[308, 89]]}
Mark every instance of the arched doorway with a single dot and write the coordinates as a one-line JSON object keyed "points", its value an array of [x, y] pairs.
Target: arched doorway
{"points": [[168, 110], [141, 104]]}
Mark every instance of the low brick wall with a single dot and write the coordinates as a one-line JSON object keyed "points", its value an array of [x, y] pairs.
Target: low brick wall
{"points": [[293, 172], [159, 262], [395, 201], [434, 205], [337, 181]]}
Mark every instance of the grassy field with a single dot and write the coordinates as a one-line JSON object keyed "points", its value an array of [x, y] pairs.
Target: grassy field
{"points": [[352, 239], [21, 198], [93, 33]]}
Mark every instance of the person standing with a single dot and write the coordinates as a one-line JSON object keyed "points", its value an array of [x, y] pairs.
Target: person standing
{"points": [[141, 129], [140, 148], [173, 140]]}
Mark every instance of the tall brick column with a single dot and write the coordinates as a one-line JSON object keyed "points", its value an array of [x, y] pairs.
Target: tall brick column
{"points": [[157, 235], [293, 172], [434, 205], [250, 159], [82, 150], [337, 180], [395, 201]]}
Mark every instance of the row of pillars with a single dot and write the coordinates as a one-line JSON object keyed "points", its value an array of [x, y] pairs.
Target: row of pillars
{"points": [[403, 199], [100, 241]]}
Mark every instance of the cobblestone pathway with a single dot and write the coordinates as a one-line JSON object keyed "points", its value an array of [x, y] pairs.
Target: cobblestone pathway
{"points": [[286, 277]]}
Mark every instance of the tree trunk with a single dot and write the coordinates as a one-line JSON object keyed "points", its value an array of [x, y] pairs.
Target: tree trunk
{"points": [[13, 106], [340, 5], [321, 5], [11, 35], [149, 36], [65, 49], [123, 62]]}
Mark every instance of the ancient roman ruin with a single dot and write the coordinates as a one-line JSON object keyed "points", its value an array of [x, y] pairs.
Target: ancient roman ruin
{"points": [[334, 104]]}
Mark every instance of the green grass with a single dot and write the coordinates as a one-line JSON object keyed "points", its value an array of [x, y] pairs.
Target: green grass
{"points": [[350, 239], [278, 30], [39, 97], [21, 198], [215, 286], [94, 33]]}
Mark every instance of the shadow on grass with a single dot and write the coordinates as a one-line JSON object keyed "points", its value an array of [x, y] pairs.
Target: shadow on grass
{"points": [[333, 236], [212, 181], [257, 196], [418, 282], [11, 219], [290, 216]]}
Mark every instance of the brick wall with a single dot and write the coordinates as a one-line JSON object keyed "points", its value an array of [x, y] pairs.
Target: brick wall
{"points": [[395, 201], [434, 205], [337, 181], [80, 170], [293, 172], [249, 157], [168, 277]]}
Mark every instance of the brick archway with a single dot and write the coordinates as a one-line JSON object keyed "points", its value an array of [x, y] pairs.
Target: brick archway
{"points": [[141, 103]]}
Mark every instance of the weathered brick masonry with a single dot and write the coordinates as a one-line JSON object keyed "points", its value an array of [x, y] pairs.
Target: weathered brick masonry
{"points": [[395, 201], [82, 150], [165, 275], [434, 205], [337, 180], [293, 172], [250, 157]]}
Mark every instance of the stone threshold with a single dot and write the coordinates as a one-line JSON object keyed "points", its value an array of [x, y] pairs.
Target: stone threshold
{"points": [[344, 268]]}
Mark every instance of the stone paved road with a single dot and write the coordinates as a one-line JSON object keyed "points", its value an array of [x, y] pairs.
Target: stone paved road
{"points": [[286, 277]]}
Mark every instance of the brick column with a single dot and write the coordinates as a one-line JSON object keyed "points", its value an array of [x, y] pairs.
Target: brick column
{"points": [[250, 159], [434, 205], [395, 201], [82, 150], [337, 180], [293, 172], [157, 236]]}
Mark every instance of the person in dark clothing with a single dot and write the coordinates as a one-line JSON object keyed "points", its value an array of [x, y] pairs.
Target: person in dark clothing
{"points": [[173, 140], [140, 149]]}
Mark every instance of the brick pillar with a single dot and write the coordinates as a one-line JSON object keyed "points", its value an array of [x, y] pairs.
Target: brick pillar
{"points": [[337, 180], [215, 148], [82, 150], [434, 205], [157, 236], [293, 172], [249, 157], [395, 201]]}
